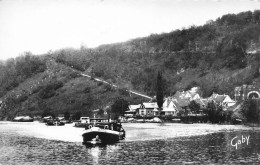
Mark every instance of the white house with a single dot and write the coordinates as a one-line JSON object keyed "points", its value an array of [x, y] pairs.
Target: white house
{"points": [[148, 109], [169, 107], [191, 94], [132, 110], [224, 100]]}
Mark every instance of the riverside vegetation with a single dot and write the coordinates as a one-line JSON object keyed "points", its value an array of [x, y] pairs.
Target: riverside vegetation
{"points": [[216, 57]]}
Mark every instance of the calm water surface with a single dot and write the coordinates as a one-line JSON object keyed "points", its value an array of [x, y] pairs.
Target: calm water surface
{"points": [[213, 148]]}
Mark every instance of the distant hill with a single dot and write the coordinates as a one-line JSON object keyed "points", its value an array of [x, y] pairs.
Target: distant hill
{"points": [[217, 56]]}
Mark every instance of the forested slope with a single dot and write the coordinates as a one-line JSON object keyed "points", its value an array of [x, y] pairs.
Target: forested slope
{"points": [[217, 56]]}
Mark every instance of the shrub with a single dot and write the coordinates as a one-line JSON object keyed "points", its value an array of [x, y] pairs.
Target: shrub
{"points": [[46, 93], [108, 88], [100, 83], [87, 90], [73, 75], [49, 90], [22, 98]]}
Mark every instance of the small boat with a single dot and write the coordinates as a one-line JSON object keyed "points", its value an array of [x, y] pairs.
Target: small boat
{"points": [[47, 118], [103, 133], [54, 123], [23, 119], [237, 121]]}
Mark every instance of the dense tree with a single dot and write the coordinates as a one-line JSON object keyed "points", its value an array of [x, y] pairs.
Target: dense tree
{"points": [[77, 115], [250, 109], [211, 112], [67, 115], [118, 108], [15, 71], [49, 90], [160, 90], [194, 106], [215, 113], [100, 113]]}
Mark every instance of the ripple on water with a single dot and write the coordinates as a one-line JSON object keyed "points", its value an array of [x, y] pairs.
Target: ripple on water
{"points": [[205, 149]]}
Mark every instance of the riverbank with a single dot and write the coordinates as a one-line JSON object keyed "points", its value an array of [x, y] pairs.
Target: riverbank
{"points": [[134, 131]]}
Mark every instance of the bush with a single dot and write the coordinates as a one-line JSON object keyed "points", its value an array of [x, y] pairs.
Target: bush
{"points": [[100, 83], [194, 106], [108, 88], [237, 115], [73, 75], [28, 65], [22, 98], [123, 91], [87, 90], [46, 93], [50, 90]]}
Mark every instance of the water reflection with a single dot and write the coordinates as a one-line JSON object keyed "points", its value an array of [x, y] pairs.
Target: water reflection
{"points": [[94, 152], [101, 153]]}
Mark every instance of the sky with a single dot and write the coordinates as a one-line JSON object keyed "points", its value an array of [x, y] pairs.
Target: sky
{"points": [[39, 26]]}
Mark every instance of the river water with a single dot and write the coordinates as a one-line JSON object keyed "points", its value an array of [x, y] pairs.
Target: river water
{"points": [[145, 143]]}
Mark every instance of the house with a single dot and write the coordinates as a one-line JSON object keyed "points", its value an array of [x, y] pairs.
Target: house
{"points": [[133, 109], [182, 103], [190, 95], [148, 109], [223, 100], [194, 96], [205, 102], [236, 107], [169, 107], [202, 102], [182, 95]]}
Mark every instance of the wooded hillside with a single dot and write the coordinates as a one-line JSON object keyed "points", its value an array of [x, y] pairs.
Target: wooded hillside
{"points": [[217, 56]]}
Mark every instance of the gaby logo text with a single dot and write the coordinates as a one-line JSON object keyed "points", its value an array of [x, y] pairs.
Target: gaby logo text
{"points": [[235, 142]]}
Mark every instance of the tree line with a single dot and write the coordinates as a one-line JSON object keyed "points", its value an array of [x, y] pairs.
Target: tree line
{"points": [[15, 71]]}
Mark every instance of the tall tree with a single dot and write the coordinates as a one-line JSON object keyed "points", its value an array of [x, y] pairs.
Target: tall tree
{"points": [[67, 115], [212, 112], [159, 92], [118, 108], [250, 109]]}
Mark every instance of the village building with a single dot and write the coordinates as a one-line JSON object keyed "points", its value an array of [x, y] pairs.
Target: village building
{"points": [[235, 107], [169, 107], [132, 110], [202, 102], [181, 103], [223, 100], [247, 91], [188, 95], [148, 109]]}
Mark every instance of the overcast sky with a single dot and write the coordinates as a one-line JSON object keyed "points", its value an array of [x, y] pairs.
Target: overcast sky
{"points": [[42, 25]]}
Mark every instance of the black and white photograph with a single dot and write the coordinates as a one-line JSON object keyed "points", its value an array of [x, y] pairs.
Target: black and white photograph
{"points": [[129, 82]]}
